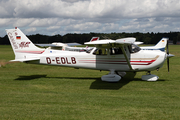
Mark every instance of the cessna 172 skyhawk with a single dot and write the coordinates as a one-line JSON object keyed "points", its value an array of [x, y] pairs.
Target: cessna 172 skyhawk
{"points": [[117, 56], [67, 46]]}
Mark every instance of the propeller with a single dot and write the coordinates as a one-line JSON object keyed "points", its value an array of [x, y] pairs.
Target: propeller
{"points": [[167, 50]]}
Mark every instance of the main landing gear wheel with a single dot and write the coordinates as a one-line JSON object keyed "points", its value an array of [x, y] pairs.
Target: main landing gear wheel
{"points": [[111, 77], [149, 77]]}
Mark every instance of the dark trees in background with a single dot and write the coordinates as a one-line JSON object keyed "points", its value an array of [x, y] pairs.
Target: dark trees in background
{"points": [[147, 38]]}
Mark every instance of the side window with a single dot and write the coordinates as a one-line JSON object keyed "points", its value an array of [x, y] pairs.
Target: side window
{"points": [[100, 52], [115, 51]]}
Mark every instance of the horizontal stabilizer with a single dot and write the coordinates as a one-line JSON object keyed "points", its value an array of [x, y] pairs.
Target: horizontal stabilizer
{"points": [[138, 43], [24, 60]]}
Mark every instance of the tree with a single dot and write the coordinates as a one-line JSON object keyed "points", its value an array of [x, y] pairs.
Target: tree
{"points": [[147, 40]]}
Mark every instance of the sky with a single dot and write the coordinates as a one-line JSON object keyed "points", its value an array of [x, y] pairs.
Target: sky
{"points": [[51, 17]]}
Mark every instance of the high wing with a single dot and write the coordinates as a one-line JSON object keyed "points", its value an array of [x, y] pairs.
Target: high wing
{"points": [[100, 42], [129, 40], [119, 42]]}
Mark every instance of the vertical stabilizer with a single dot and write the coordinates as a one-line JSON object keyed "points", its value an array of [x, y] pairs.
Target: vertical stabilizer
{"points": [[94, 39], [159, 46], [23, 48], [162, 43]]}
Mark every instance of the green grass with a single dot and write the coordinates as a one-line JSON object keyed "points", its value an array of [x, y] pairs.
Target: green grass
{"points": [[48, 92]]}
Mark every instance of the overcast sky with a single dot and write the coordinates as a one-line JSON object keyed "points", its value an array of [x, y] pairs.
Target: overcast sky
{"points": [[50, 17]]}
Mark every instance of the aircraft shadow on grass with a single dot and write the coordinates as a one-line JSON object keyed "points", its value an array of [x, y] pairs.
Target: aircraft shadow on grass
{"points": [[97, 84], [30, 77]]}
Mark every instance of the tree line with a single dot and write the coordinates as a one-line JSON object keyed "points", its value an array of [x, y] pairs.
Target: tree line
{"points": [[147, 38]]}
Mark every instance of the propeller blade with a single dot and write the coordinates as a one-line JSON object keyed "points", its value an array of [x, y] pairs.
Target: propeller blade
{"points": [[167, 55], [168, 64], [167, 47]]}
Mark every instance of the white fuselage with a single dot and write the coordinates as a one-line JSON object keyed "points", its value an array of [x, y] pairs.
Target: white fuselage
{"points": [[140, 61]]}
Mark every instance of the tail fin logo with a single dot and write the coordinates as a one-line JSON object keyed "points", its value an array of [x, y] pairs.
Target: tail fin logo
{"points": [[18, 37], [24, 44]]}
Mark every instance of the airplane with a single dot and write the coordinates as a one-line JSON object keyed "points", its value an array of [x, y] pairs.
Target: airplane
{"points": [[117, 56], [61, 46], [159, 46], [68, 46]]}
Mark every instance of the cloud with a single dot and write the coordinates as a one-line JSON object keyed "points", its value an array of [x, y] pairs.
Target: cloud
{"points": [[88, 8], [74, 0], [32, 29], [43, 22], [66, 16], [21, 22]]}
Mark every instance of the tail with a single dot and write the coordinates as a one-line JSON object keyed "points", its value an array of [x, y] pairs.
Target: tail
{"points": [[159, 46], [23, 48], [94, 39], [162, 43]]}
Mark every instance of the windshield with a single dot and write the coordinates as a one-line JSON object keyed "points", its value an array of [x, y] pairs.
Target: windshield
{"points": [[89, 50], [135, 48]]}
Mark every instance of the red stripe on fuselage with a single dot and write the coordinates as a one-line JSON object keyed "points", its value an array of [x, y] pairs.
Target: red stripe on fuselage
{"points": [[33, 52], [117, 62]]}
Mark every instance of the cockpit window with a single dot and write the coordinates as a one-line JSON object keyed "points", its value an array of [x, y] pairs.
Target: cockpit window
{"points": [[134, 48], [89, 51]]}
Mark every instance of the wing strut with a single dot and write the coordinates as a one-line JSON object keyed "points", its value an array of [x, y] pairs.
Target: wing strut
{"points": [[125, 55]]}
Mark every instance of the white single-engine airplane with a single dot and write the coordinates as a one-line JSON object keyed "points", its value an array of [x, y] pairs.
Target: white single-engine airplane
{"points": [[117, 56], [67, 46], [159, 46]]}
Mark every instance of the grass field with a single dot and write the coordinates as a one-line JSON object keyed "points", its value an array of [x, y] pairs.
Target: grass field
{"points": [[48, 92]]}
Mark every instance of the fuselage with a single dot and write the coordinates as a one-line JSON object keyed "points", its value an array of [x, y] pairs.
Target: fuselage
{"points": [[140, 61]]}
